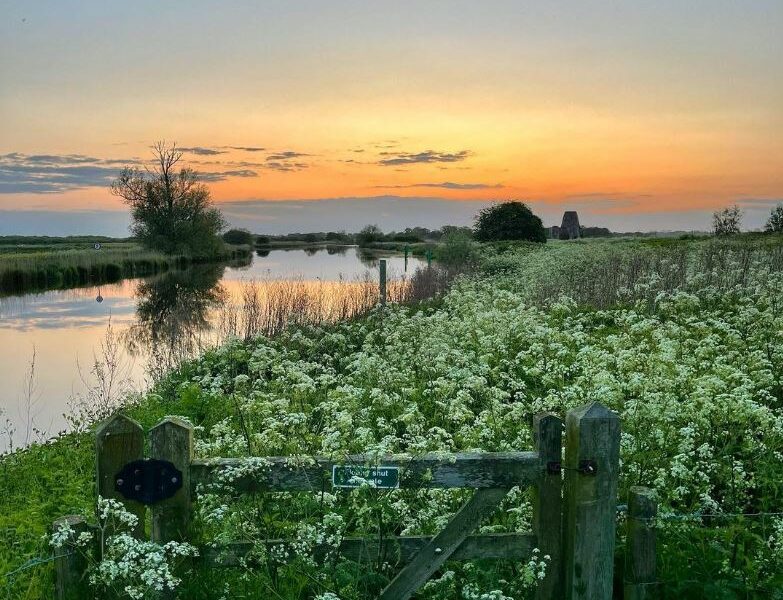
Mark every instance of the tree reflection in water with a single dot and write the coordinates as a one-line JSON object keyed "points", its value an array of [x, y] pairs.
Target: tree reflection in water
{"points": [[173, 316]]}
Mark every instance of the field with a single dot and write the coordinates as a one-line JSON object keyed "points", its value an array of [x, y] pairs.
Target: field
{"points": [[683, 338], [40, 263]]}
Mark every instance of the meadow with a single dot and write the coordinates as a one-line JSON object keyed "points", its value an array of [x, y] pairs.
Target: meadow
{"points": [[683, 338]]}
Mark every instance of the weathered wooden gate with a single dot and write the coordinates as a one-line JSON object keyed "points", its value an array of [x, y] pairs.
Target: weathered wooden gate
{"points": [[574, 501]]}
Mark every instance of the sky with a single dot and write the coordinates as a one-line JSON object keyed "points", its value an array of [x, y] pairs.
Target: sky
{"points": [[330, 115]]}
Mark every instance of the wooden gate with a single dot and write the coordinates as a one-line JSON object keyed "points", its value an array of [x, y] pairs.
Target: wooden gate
{"points": [[574, 500]]}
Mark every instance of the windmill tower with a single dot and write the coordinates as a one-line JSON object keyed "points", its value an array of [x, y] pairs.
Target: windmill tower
{"points": [[569, 228]]}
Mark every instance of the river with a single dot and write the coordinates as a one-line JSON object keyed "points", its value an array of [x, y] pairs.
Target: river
{"points": [[56, 347]]}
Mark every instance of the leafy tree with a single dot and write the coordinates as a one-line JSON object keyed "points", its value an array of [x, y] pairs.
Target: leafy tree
{"points": [[238, 237], [508, 221], [775, 221], [727, 220], [171, 210], [368, 235]]}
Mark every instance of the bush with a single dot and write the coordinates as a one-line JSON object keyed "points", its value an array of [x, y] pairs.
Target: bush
{"points": [[238, 237], [509, 221]]}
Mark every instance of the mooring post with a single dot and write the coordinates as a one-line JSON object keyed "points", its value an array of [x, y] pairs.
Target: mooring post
{"points": [[172, 440], [547, 502], [70, 561], [382, 292], [590, 501], [118, 440], [640, 544]]}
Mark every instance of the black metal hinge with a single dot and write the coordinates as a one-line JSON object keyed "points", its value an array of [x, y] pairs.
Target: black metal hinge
{"points": [[586, 467], [148, 481]]}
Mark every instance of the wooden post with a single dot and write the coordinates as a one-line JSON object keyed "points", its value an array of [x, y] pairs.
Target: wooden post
{"points": [[119, 440], [70, 561], [172, 440], [547, 503], [640, 544], [383, 281], [590, 501]]}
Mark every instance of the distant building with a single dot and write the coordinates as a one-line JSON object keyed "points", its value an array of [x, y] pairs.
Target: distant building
{"points": [[569, 228], [554, 232]]}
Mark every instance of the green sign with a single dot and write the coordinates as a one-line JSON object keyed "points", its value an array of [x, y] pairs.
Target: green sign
{"points": [[354, 476]]}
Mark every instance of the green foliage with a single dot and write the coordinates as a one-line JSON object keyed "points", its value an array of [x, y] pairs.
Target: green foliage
{"points": [[238, 237], [775, 221], [509, 221], [458, 250], [172, 211], [369, 234]]}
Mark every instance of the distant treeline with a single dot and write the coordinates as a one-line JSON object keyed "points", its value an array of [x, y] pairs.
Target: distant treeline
{"points": [[371, 234]]}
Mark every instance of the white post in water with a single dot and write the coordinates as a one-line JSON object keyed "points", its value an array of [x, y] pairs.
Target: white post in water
{"points": [[383, 282]]}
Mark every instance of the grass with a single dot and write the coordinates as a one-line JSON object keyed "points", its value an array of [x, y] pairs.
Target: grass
{"points": [[40, 263]]}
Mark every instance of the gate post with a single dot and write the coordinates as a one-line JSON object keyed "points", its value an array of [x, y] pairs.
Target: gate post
{"points": [[382, 282], [172, 440], [70, 564], [640, 544], [590, 501], [547, 503], [118, 440]]}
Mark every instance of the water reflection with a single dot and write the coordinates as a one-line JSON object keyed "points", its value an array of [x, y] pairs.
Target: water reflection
{"points": [[172, 315]]}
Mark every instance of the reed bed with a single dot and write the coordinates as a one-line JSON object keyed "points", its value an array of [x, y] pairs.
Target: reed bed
{"points": [[267, 307]]}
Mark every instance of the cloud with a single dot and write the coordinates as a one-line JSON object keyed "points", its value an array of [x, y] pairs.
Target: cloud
{"points": [[201, 151], [247, 148], [759, 203], [59, 173], [285, 167], [448, 185], [428, 156], [223, 175], [286, 155]]}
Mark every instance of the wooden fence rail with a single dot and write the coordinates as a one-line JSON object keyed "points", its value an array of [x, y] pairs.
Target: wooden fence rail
{"points": [[573, 524]]}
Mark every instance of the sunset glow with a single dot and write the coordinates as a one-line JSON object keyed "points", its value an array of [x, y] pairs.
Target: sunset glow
{"points": [[638, 117]]}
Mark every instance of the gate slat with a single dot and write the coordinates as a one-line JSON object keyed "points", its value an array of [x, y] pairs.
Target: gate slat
{"points": [[443, 545], [462, 470], [396, 550]]}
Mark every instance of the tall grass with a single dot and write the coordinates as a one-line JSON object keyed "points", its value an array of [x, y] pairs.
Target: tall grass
{"points": [[269, 306]]}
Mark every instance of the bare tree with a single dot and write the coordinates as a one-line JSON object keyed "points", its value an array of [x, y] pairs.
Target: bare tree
{"points": [[172, 210]]}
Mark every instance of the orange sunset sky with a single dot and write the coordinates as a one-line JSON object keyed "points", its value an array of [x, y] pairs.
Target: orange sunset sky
{"points": [[638, 115]]}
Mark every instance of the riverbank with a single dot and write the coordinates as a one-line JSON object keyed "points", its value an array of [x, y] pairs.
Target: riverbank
{"points": [[40, 263], [681, 339]]}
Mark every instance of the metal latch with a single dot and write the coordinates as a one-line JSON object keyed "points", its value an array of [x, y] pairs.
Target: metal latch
{"points": [[586, 467], [148, 481]]}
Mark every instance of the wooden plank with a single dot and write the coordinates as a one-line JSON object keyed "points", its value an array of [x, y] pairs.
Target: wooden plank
{"points": [[70, 562], [118, 440], [640, 545], [548, 504], [172, 440], [443, 545], [464, 470], [394, 550], [590, 502]]}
